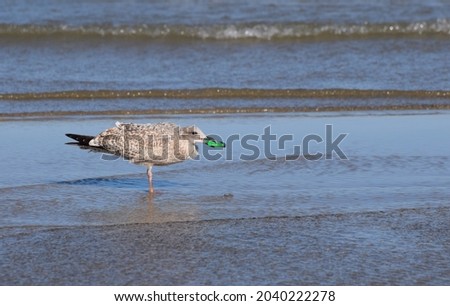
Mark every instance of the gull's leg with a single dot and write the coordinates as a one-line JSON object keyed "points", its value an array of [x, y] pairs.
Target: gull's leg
{"points": [[150, 179]]}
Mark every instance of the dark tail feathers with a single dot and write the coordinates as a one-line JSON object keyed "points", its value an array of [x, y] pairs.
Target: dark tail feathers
{"points": [[82, 139]]}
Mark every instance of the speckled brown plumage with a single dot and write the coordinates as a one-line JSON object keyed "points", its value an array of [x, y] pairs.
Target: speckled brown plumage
{"points": [[156, 144], [147, 144]]}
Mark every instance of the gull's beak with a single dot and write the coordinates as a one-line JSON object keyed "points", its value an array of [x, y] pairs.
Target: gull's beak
{"points": [[211, 142]]}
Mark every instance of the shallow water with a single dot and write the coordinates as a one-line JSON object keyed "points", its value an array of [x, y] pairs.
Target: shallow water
{"points": [[383, 170], [390, 196]]}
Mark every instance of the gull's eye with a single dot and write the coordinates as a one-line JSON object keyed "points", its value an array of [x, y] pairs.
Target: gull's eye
{"points": [[194, 133]]}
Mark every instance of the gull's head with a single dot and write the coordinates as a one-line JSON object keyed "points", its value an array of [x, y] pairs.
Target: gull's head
{"points": [[194, 134]]}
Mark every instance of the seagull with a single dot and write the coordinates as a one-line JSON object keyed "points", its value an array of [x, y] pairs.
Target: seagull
{"points": [[149, 144]]}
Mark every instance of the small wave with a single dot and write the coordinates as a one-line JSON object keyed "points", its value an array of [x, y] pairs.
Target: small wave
{"points": [[262, 31], [116, 182], [221, 101], [228, 93]]}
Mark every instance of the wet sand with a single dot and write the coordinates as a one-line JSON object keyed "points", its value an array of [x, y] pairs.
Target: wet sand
{"points": [[400, 247]]}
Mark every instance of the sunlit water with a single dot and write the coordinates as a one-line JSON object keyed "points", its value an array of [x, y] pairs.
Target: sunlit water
{"points": [[390, 197], [382, 171]]}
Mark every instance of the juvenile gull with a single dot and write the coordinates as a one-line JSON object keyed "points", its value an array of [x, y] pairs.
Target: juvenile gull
{"points": [[148, 144]]}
